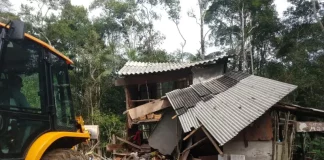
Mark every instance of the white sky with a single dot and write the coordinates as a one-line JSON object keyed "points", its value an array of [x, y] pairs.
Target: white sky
{"points": [[188, 26]]}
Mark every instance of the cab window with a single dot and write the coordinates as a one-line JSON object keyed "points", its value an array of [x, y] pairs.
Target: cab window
{"points": [[20, 87], [62, 94]]}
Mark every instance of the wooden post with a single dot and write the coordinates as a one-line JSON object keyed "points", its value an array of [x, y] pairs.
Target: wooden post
{"points": [[213, 141], [114, 142], [275, 137], [284, 154], [292, 138], [177, 133], [129, 104]]}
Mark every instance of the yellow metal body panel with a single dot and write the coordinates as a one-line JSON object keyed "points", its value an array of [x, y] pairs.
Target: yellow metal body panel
{"points": [[39, 147]]}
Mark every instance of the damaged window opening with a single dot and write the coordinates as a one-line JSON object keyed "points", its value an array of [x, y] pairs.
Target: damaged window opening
{"points": [[146, 130], [165, 87], [152, 91]]}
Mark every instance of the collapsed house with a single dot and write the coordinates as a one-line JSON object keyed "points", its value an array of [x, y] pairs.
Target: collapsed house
{"points": [[201, 110]]}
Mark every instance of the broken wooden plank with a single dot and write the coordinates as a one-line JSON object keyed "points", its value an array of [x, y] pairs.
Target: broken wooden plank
{"points": [[142, 100], [113, 147], [194, 145], [122, 154], [146, 121], [309, 126], [148, 108], [130, 143], [212, 140], [191, 133]]}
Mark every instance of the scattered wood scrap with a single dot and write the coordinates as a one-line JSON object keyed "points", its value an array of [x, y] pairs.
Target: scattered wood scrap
{"points": [[148, 118], [112, 147], [129, 143]]}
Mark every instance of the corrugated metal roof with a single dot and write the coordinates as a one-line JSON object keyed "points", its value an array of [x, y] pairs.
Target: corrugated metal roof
{"points": [[188, 120], [136, 68], [235, 100]]}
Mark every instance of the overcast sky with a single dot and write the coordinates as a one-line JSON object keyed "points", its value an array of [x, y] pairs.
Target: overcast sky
{"points": [[187, 25]]}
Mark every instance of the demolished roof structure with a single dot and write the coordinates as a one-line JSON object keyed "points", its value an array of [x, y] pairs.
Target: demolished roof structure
{"points": [[212, 104], [227, 104]]}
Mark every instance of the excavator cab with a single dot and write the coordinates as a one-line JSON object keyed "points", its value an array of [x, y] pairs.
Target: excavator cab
{"points": [[36, 109]]}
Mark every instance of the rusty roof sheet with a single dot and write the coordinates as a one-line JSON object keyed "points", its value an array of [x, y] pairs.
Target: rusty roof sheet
{"points": [[236, 99], [137, 68]]}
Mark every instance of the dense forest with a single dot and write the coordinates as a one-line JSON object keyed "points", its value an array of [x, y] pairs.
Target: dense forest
{"points": [[289, 49]]}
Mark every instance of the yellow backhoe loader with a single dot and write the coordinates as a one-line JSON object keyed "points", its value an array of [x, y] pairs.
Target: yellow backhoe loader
{"points": [[37, 120]]}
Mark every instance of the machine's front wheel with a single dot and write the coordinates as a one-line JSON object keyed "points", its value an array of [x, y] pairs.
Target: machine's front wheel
{"points": [[64, 154]]}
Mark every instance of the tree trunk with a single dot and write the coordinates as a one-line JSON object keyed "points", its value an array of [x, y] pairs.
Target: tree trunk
{"points": [[315, 15], [252, 56], [202, 40], [244, 64]]}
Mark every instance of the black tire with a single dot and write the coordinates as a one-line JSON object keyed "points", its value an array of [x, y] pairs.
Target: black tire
{"points": [[64, 154]]}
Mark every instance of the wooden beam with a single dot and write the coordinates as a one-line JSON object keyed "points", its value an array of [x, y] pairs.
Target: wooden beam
{"points": [[175, 116], [303, 111], [191, 133], [130, 143], [143, 100], [194, 145], [153, 78], [212, 141]]}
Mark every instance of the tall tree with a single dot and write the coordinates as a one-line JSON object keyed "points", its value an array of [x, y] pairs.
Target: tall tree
{"points": [[300, 51], [6, 11], [6, 6], [173, 9], [36, 16], [236, 25], [133, 23], [200, 20]]}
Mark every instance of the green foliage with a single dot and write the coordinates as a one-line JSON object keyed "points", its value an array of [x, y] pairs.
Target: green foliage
{"points": [[109, 124], [317, 146], [31, 89]]}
